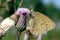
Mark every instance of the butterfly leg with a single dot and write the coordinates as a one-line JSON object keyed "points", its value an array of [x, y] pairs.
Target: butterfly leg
{"points": [[26, 35], [39, 37]]}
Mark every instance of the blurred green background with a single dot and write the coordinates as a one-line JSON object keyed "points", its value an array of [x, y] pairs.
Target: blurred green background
{"points": [[51, 8]]}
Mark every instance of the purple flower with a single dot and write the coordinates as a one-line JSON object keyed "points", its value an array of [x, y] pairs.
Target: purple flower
{"points": [[22, 11]]}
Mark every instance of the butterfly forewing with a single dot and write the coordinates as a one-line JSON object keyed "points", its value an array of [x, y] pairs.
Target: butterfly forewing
{"points": [[41, 24]]}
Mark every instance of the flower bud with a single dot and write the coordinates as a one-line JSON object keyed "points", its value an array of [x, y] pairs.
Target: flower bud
{"points": [[21, 11]]}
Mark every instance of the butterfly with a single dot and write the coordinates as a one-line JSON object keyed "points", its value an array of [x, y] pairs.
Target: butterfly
{"points": [[40, 23]]}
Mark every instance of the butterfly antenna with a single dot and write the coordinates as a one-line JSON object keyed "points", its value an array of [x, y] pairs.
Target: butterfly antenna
{"points": [[20, 4], [0, 3]]}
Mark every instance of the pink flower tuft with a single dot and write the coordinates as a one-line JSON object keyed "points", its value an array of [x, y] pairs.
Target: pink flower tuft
{"points": [[21, 11]]}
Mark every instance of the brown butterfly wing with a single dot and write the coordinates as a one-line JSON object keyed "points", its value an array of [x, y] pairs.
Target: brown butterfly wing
{"points": [[41, 24], [48, 22], [38, 26]]}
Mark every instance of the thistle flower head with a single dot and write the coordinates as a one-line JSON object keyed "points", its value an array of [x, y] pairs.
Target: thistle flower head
{"points": [[23, 11]]}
